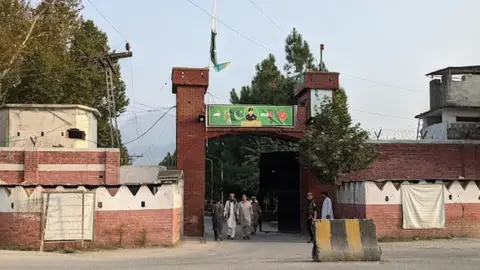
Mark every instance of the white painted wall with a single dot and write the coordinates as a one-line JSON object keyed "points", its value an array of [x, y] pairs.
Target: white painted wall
{"points": [[369, 193], [436, 132], [351, 193], [86, 121], [140, 174], [168, 196], [439, 131], [53, 122], [317, 96], [450, 115]]}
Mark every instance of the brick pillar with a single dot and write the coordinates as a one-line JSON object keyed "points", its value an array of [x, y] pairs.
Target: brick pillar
{"points": [[314, 80], [30, 171], [112, 167], [190, 85], [302, 91]]}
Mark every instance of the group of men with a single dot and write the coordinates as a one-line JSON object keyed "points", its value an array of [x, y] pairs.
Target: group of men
{"points": [[246, 212]]}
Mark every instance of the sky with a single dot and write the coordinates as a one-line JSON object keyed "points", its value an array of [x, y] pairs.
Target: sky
{"points": [[382, 50]]}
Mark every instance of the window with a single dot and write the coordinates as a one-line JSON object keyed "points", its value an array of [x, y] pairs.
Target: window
{"points": [[42, 134], [75, 133], [467, 119]]}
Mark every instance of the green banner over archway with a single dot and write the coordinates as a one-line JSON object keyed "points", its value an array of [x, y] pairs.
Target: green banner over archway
{"points": [[232, 115]]}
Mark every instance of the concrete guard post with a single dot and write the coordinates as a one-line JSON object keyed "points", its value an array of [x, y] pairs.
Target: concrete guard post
{"points": [[345, 240]]}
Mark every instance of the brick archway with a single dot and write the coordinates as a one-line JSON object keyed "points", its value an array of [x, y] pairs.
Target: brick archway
{"points": [[190, 85]]}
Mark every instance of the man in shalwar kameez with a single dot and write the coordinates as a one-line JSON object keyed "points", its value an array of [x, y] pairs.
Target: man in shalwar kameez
{"points": [[229, 213], [218, 220], [245, 213], [257, 213]]}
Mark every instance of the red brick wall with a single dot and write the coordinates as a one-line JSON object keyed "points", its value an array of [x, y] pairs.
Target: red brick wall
{"points": [[112, 229], [422, 160], [461, 220], [19, 230], [351, 211], [137, 228], [31, 159]]}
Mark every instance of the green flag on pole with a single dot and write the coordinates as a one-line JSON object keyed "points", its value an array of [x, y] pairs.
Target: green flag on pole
{"points": [[213, 48], [221, 66]]}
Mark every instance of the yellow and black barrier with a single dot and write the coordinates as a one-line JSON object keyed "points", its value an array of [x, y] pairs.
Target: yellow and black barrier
{"points": [[345, 240]]}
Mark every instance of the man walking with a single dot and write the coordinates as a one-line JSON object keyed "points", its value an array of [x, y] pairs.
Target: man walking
{"points": [[311, 216], [217, 220], [257, 213], [245, 213], [229, 213], [327, 209]]}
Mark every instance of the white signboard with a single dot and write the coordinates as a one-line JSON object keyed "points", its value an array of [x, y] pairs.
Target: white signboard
{"points": [[64, 216], [316, 98]]}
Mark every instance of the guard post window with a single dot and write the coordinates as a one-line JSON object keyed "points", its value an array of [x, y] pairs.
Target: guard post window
{"points": [[75, 133]]}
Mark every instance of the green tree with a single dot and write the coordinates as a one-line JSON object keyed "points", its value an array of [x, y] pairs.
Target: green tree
{"points": [[54, 59], [333, 146], [25, 28], [169, 161]]}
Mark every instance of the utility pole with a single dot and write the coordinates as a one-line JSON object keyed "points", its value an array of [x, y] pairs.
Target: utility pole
{"points": [[134, 156], [108, 62]]}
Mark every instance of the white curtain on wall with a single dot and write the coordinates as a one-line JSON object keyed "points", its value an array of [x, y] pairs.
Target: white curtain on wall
{"points": [[423, 206]]}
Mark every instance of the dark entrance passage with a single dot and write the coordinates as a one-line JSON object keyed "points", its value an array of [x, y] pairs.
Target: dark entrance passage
{"points": [[280, 191]]}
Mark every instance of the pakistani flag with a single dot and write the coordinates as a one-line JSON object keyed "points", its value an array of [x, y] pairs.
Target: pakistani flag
{"points": [[213, 49], [221, 66]]}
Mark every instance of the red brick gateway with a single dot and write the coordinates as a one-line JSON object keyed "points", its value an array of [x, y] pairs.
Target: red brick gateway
{"points": [[453, 162]]}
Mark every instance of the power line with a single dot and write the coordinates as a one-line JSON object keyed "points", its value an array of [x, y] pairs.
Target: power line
{"points": [[268, 17], [224, 24], [150, 128], [385, 115], [133, 103], [104, 17], [384, 84], [273, 21], [354, 77]]}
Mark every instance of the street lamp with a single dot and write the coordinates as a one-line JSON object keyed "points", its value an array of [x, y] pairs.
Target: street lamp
{"points": [[211, 176], [221, 176]]}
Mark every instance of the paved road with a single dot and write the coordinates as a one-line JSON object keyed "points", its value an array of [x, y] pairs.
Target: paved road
{"points": [[265, 251]]}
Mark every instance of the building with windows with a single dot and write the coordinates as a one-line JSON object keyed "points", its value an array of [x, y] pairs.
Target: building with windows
{"points": [[454, 105], [48, 125]]}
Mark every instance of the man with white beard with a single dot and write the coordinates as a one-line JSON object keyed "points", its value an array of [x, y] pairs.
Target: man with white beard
{"points": [[229, 213]]}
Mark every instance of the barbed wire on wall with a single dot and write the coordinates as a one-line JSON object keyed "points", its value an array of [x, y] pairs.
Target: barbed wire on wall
{"points": [[431, 133], [406, 134]]}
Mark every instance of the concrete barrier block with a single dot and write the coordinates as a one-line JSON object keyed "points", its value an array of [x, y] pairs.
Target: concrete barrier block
{"points": [[345, 240]]}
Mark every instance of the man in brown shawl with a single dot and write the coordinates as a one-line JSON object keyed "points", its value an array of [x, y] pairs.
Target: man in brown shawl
{"points": [[257, 213], [217, 220]]}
